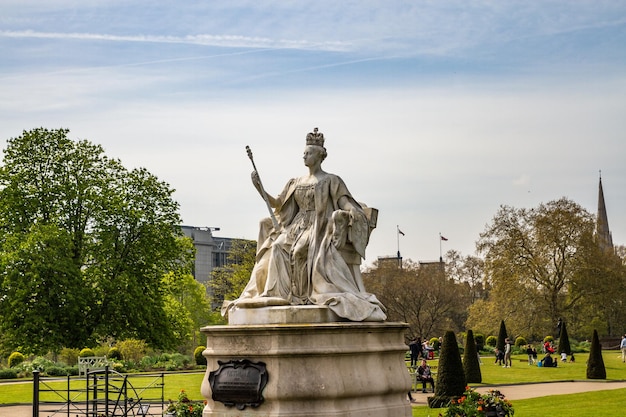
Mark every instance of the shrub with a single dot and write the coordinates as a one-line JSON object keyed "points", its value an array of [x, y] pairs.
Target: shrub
{"points": [[132, 350], [69, 356], [86, 352], [450, 375], [491, 341], [595, 363], [520, 341], [114, 353], [548, 339], [15, 359], [471, 365], [41, 364], [197, 354], [502, 336], [57, 371], [8, 373], [564, 346]]}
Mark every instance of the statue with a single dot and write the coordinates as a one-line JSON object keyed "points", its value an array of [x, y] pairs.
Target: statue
{"points": [[310, 248]]}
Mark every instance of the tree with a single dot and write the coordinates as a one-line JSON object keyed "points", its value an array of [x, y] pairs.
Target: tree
{"points": [[595, 363], [420, 295], [536, 260], [471, 365], [450, 376], [107, 233]]}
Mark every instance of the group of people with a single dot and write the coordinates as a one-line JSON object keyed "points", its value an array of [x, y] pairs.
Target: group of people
{"points": [[419, 349], [503, 357], [423, 372]]}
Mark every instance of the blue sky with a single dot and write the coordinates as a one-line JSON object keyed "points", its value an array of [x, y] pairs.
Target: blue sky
{"points": [[434, 112]]}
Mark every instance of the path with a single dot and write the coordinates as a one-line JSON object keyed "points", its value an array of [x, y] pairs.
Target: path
{"points": [[533, 390]]}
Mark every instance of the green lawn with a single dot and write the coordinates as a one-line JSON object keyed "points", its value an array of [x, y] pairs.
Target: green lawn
{"points": [[606, 403]]}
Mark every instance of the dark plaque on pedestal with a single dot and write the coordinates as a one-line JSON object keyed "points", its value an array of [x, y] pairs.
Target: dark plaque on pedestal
{"points": [[238, 383]]}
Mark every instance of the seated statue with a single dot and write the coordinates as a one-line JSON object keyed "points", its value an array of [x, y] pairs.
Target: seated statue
{"points": [[309, 251]]}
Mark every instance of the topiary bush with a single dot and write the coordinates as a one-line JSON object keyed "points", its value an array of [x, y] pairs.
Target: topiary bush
{"points": [[450, 375], [491, 341], [86, 352], [595, 363], [15, 359], [564, 346], [502, 335], [520, 341], [471, 364], [197, 354]]}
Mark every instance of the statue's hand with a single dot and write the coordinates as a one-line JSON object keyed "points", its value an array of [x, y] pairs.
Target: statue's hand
{"points": [[256, 181]]}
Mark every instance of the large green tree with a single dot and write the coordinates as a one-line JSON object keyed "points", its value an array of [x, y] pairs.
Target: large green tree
{"points": [[89, 229], [537, 261]]}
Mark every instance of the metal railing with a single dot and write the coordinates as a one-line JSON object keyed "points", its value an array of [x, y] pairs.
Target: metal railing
{"points": [[101, 393]]}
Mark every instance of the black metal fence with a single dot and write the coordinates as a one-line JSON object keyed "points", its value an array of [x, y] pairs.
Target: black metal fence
{"points": [[101, 393]]}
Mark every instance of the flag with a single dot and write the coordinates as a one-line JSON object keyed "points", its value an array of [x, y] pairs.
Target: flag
{"points": [[401, 232], [443, 238]]}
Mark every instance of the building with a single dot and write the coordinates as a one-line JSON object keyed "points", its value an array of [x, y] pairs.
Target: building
{"points": [[211, 251], [603, 233]]}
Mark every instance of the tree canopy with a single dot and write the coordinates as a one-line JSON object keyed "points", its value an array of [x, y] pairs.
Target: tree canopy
{"points": [[85, 245]]}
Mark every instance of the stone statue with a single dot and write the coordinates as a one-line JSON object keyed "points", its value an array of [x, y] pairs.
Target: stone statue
{"points": [[310, 249]]}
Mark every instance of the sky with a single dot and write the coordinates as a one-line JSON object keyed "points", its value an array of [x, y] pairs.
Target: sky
{"points": [[434, 112]]}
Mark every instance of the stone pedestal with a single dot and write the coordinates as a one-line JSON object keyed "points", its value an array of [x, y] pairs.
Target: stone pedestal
{"points": [[343, 369]]}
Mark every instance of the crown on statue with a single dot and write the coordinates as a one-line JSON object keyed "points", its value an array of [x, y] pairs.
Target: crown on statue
{"points": [[315, 138]]}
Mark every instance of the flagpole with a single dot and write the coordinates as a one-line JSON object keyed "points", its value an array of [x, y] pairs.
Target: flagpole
{"points": [[398, 239], [440, 256]]}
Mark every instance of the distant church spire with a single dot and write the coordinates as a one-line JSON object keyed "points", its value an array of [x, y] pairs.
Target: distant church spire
{"points": [[605, 240]]}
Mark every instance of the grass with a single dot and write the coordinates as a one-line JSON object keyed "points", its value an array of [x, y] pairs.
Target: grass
{"points": [[610, 403], [21, 391]]}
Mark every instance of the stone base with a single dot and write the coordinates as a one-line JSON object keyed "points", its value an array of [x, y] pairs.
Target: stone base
{"points": [[342, 369], [283, 315]]}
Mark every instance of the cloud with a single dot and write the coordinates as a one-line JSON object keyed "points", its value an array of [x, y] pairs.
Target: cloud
{"points": [[230, 41]]}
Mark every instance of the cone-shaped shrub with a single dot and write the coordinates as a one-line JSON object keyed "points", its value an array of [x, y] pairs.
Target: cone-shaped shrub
{"points": [[501, 337], [563, 341], [450, 376], [595, 363], [471, 365]]}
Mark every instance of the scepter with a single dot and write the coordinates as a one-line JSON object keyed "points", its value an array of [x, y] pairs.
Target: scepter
{"points": [[264, 194]]}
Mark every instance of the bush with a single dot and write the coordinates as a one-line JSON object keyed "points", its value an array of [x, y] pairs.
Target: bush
{"points": [[450, 375], [471, 365], [132, 350], [595, 363], [8, 373], [69, 356], [15, 359], [114, 353], [520, 341], [492, 341], [197, 354], [548, 339], [57, 371], [86, 352]]}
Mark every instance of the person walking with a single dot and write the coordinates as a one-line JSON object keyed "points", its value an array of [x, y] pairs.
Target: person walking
{"points": [[507, 353], [622, 346]]}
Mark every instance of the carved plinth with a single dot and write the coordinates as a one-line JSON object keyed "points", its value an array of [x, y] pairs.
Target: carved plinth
{"points": [[338, 369]]}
